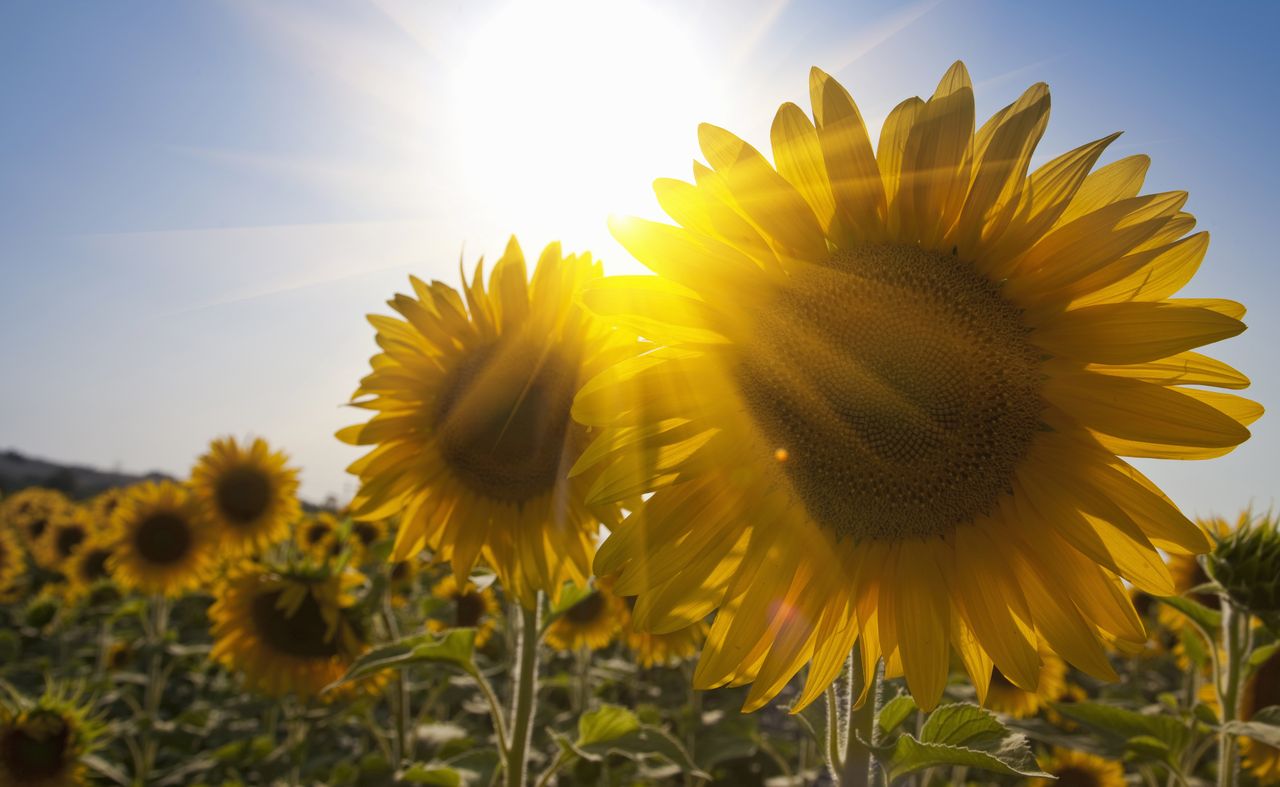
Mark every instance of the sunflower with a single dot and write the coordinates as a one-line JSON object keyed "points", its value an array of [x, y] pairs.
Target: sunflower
{"points": [[1077, 769], [67, 530], [593, 622], [1261, 690], [248, 493], [42, 742], [29, 512], [471, 436], [318, 535], [888, 391], [402, 579], [469, 608], [1004, 697], [13, 562], [664, 650], [103, 505], [365, 535], [288, 631], [164, 545], [120, 655], [89, 565]]}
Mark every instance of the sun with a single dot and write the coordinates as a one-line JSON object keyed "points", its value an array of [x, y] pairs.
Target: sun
{"points": [[546, 92]]}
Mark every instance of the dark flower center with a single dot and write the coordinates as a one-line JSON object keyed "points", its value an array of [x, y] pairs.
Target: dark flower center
{"points": [[1074, 776], [468, 609], [94, 566], [898, 390], [587, 610], [36, 527], [163, 538], [31, 757], [1263, 688], [365, 533], [67, 539], [317, 533], [243, 494], [302, 635], [502, 418]]}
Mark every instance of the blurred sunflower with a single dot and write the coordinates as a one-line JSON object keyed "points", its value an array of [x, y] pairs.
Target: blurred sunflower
{"points": [[1004, 697], [287, 631], [318, 535], [88, 566], [13, 561], [888, 394], [1077, 769], [248, 493], [364, 535], [402, 579], [67, 530], [1261, 690], [469, 607], [591, 623], [664, 650], [164, 547], [29, 511], [471, 434], [43, 741], [120, 655], [103, 505]]}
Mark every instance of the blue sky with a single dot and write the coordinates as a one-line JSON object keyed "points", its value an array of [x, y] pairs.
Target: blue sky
{"points": [[200, 201]]}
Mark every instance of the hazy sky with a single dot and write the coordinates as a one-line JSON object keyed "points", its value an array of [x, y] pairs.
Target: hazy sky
{"points": [[200, 201]]}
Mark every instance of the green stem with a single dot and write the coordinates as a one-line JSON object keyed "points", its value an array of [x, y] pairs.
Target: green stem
{"points": [[526, 692], [495, 711], [153, 694], [835, 756], [855, 770], [400, 704], [1235, 636]]}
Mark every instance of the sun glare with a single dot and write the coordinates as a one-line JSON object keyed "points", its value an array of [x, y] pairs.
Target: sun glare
{"points": [[564, 111]]}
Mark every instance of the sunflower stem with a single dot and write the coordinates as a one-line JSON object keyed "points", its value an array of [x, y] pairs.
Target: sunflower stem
{"points": [[526, 692], [400, 693], [855, 769], [1235, 636]]}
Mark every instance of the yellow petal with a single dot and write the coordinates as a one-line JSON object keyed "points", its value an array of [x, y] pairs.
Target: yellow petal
{"points": [[1116, 181], [798, 154], [851, 164], [1188, 368], [1122, 333]]}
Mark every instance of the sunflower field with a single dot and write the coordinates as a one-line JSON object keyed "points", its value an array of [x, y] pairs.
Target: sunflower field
{"points": [[839, 495]]}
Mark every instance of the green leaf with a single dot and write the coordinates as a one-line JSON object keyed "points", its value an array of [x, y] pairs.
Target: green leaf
{"points": [[1260, 656], [1263, 726], [611, 729], [895, 711], [453, 647], [1150, 748], [1124, 724], [1210, 620], [434, 775], [961, 735], [604, 724]]}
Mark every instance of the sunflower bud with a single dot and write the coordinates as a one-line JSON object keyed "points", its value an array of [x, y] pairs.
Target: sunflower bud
{"points": [[40, 611], [1246, 563]]}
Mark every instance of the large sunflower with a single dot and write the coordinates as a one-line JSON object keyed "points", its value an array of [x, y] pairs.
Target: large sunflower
{"points": [[249, 494], [888, 394], [469, 607], [471, 434], [591, 623], [164, 546], [43, 741], [288, 631], [1078, 769]]}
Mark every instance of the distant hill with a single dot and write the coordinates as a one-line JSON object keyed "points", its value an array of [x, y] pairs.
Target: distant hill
{"points": [[18, 472]]}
